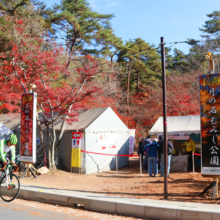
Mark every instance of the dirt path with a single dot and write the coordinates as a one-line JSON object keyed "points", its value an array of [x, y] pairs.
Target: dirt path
{"points": [[184, 187]]}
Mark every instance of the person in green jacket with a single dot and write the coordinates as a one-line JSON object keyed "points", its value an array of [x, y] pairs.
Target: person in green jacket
{"points": [[7, 150]]}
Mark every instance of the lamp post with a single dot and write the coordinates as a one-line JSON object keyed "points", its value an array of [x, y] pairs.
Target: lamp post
{"points": [[164, 118], [208, 56]]}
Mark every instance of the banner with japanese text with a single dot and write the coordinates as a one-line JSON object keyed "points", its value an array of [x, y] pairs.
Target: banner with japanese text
{"points": [[76, 149], [28, 127], [179, 136], [210, 123], [131, 141]]}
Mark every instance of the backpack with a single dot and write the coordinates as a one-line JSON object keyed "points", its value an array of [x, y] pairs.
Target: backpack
{"points": [[169, 148]]}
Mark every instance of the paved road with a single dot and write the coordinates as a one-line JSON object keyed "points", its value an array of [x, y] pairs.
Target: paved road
{"points": [[30, 210], [16, 211]]}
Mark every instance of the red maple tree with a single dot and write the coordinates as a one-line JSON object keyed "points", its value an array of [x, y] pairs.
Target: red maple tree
{"points": [[61, 92]]}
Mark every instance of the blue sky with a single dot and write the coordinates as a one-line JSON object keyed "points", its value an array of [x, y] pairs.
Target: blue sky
{"points": [[175, 20]]}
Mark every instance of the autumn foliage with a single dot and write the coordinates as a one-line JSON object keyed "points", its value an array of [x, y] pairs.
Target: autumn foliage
{"points": [[72, 78]]}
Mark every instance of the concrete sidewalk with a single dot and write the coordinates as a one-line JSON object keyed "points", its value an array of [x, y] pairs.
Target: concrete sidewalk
{"points": [[143, 208]]}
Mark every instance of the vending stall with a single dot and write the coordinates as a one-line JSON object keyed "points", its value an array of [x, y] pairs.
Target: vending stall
{"points": [[180, 129]]}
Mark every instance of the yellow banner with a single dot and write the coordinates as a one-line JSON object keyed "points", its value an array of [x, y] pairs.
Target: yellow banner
{"points": [[75, 158]]}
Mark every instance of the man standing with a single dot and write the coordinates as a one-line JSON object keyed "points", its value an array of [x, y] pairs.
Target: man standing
{"points": [[152, 157], [169, 154], [141, 150], [146, 142], [190, 147]]}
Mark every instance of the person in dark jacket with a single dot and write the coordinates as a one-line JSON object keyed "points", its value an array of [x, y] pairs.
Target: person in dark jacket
{"points": [[146, 142], [152, 157], [169, 152], [141, 150]]}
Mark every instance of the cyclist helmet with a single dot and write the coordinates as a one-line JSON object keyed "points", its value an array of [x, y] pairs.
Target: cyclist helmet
{"points": [[13, 139]]}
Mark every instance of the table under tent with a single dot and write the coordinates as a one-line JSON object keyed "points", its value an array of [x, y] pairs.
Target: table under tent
{"points": [[179, 129]]}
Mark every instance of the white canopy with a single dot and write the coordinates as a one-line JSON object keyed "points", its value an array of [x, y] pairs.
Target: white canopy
{"points": [[178, 124], [4, 131]]}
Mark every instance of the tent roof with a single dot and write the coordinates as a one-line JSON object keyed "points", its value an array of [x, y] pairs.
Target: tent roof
{"points": [[85, 119], [4, 131], [178, 124], [12, 121]]}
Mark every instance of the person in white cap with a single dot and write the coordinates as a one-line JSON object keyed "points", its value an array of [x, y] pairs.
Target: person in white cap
{"points": [[152, 157]]}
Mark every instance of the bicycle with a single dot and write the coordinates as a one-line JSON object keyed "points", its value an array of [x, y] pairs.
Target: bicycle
{"points": [[9, 184]]}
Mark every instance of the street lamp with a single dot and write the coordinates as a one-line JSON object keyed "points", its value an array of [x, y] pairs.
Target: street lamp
{"points": [[208, 56]]}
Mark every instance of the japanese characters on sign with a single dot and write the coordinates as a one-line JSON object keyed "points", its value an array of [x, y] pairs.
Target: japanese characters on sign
{"points": [[131, 144], [131, 141], [76, 149], [28, 127], [210, 122], [179, 136], [107, 141]]}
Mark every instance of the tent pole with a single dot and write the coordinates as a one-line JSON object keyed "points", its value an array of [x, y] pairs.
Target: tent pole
{"points": [[140, 164], [117, 162], [164, 118]]}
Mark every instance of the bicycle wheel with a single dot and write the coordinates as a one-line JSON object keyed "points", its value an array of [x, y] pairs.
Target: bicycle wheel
{"points": [[9, 187]]}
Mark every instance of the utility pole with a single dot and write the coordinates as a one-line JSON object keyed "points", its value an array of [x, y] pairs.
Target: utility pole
{"points": [[164, 118]]}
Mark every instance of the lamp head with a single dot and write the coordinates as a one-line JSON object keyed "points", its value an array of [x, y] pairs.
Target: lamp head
{"points": [[208, 56]]}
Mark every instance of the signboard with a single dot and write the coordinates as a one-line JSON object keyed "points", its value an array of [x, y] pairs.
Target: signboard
{"points": [[131, 144], [210, 123], [131, 141], [179, 136], [28, 127], [75, 159], [76, 149], [107, 138], [76, 135], [107, 141]]}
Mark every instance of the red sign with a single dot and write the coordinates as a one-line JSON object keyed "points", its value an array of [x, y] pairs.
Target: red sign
{"points": [[28, 127], [76, 135]]}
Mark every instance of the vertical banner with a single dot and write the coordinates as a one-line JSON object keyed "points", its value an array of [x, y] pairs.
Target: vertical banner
{"points": [[76, 149], [210, 123], [131, 141], [28, 127]]}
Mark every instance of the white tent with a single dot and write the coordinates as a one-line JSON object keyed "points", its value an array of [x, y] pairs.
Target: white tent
{"points": [[103, 133], [178, 124]]}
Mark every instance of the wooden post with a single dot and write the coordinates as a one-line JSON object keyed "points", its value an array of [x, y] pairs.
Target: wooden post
{"points": [[215, 188], [117, 162], [211, 66], [28, 164], [140, 164]]}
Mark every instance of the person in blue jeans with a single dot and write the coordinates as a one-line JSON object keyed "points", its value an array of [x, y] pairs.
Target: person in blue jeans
{"points": [[152, 157], [146, 142], [169, 154]]}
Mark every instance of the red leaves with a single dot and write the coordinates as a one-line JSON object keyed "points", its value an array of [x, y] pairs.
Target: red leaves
{"points": [[19, 22]]}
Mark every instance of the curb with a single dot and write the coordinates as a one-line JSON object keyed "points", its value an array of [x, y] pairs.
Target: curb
{"points": [[142, 208]]}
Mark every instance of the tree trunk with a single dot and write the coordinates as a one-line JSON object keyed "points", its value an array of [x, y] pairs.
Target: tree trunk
{"points": [[53, 164]]}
